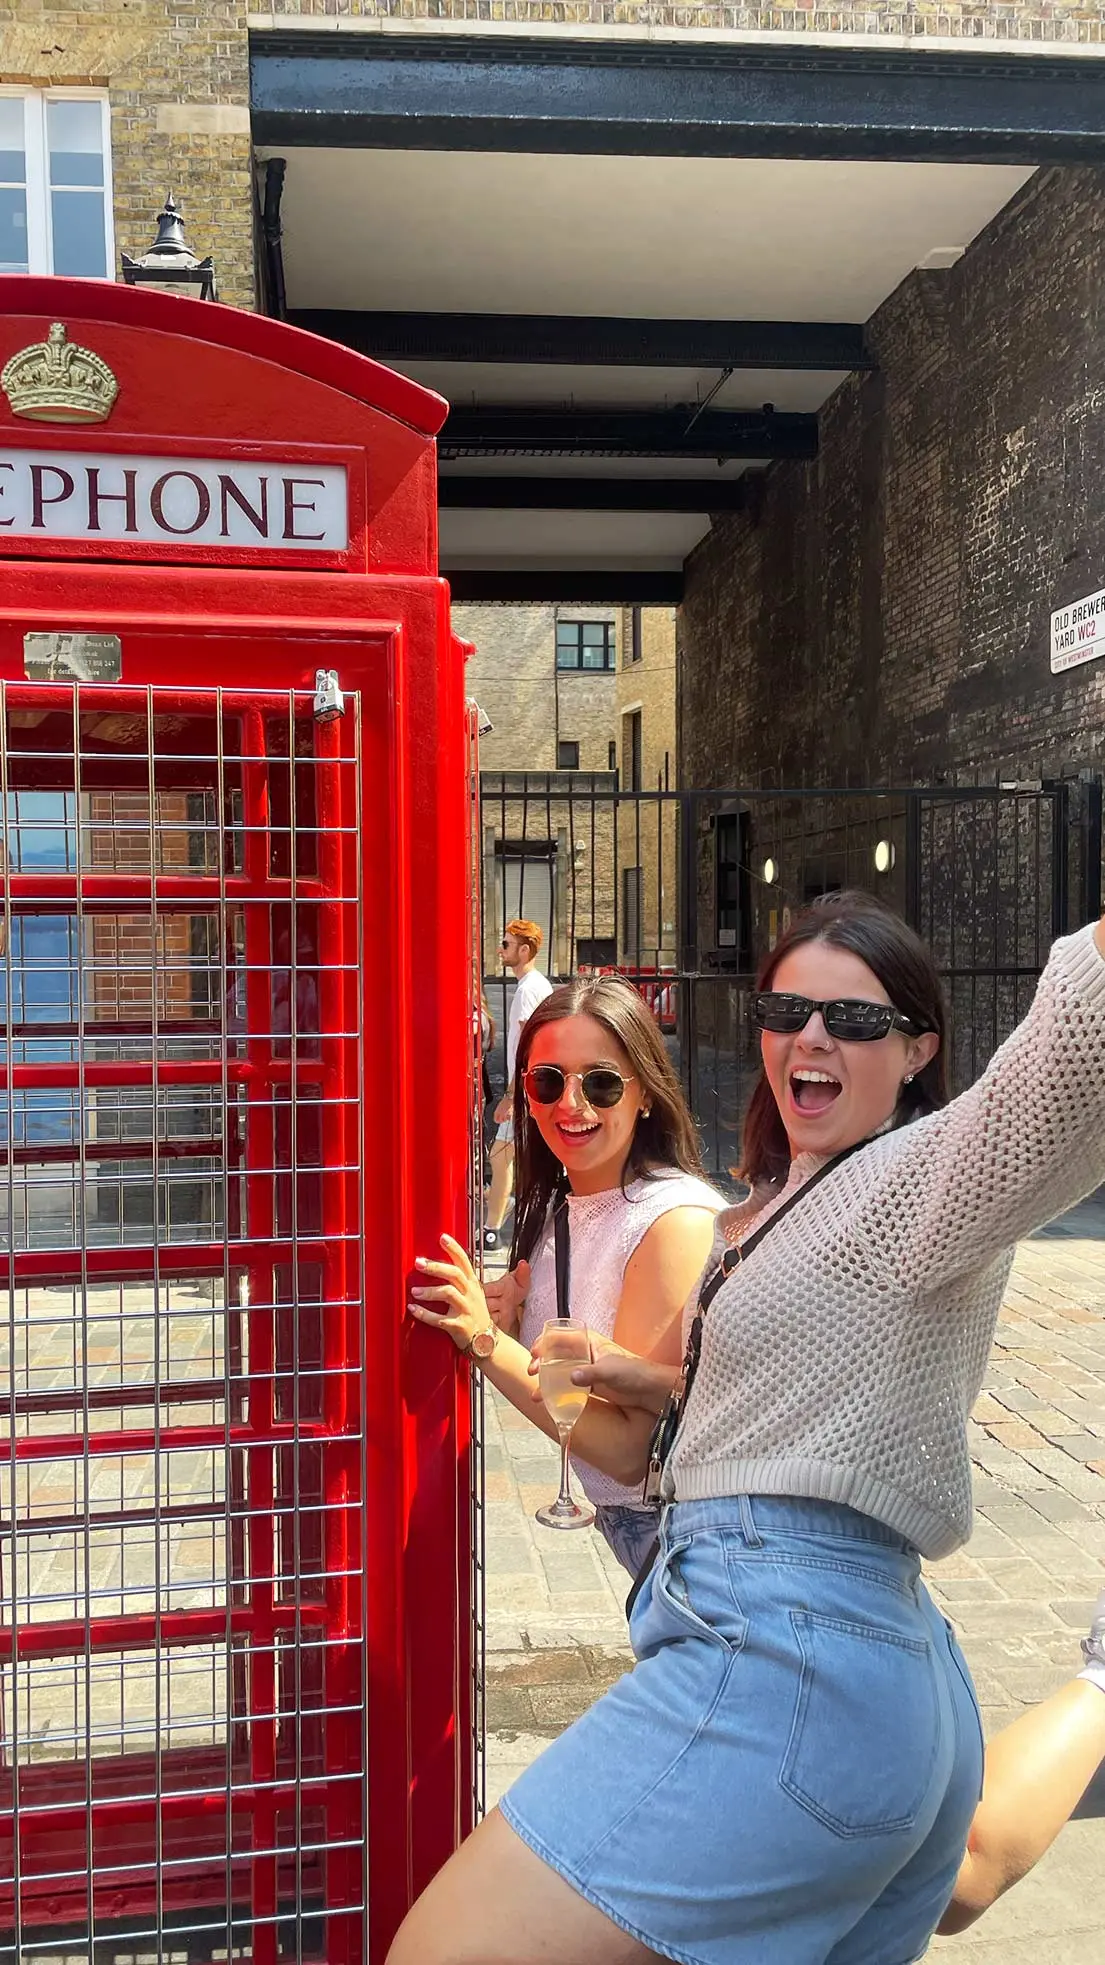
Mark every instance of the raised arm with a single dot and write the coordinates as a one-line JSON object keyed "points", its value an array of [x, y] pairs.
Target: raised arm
{"points": [[1023, 1144]]}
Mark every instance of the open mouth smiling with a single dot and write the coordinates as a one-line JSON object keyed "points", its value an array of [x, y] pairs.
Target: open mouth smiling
{"points": [[576, 1132], [814, 1091]]}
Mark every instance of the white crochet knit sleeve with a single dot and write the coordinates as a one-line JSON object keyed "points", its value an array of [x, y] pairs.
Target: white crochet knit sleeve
{"points": [[1024, 1143]]}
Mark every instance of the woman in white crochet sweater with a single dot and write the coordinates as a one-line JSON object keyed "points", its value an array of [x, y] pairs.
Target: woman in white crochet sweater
{"points": [[788, 1775]]}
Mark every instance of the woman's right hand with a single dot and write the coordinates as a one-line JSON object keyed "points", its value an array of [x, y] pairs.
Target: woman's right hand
{"points": [[505, 1297], [623, 1379], [617, 1375]]}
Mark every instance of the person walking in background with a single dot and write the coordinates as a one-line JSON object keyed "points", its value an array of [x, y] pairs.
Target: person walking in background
{"points": [[520, 947]]}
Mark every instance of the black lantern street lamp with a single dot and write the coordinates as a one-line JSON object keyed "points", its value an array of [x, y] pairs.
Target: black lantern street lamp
{"points": [[170, 263]]}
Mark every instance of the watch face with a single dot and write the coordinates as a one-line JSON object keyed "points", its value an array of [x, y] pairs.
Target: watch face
{"points": [[482, 1344]]}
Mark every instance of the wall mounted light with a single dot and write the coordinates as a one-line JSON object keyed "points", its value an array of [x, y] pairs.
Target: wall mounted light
{"points": [[885, 856], [770, 872]]}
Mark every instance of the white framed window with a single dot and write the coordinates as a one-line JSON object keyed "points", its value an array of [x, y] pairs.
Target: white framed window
{"points": [[55, 183]]}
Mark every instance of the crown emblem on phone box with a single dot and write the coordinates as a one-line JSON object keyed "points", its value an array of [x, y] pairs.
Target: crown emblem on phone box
{"points": [[56, 381]]}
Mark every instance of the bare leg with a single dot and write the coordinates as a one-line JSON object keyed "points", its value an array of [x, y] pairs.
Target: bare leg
{"points": [[1037, 1771], [496, 1903], [502, 1174]]}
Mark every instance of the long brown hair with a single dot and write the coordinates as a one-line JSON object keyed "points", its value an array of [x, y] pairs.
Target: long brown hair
{"points": [[666, 1138], [863, 926]]}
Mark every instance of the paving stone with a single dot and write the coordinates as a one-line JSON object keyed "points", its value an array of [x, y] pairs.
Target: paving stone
{"points": [[988, 1540], [1014, 1398], [1024, 1616], [1014, 1433], [608, 1662], [507, 1709], [558, 1629], [964, 1589], [561, 1667], [1059, 1467], [1083, 1446], [987, 1408], [1075, 1612], [1029, 1682], [507, 1758], [555, 1706], [1012, 1515], [1055, 1425], [1018, 1578], [1055, 1506]]}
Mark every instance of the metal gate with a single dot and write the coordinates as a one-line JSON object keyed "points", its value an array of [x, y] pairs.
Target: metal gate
{"points": [[685, 891], [182, 1650]]}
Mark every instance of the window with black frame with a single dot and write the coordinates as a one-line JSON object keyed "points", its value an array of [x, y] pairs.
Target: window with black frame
{"points": [[585, 644]]}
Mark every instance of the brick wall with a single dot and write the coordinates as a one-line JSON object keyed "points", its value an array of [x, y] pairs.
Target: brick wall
{"points": [[975, 20], [648, 685], [124, 954], [533, 705], [177, 76], [884, 612]]}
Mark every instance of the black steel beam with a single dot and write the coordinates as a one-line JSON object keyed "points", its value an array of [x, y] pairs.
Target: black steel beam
{"points": [[592, 340], [605, 589], [641, 98], [505, 494], [506, 430]]}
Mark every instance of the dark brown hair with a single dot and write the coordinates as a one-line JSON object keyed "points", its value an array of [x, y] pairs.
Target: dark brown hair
{"points": [[666, 1138], [865, 927]]}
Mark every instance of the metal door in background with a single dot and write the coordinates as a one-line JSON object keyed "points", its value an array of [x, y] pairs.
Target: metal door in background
{"points": [[686, 891], [182, 1630]]}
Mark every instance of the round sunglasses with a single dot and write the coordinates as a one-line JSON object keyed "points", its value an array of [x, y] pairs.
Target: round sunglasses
{"points": [[602, 1086], [847, 1018]]}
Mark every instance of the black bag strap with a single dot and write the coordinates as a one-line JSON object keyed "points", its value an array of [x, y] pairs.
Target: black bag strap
{"points": [[562, 1240]]}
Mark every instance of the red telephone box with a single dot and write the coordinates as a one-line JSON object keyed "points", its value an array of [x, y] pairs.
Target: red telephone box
{"points": [[234, 1054]]}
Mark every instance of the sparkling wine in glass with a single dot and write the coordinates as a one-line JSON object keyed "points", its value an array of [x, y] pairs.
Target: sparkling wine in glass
{"points": [[564, 1346]]}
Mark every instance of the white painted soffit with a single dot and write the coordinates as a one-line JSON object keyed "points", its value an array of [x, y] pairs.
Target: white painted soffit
{"points": [[579, 541], [682, 237]]}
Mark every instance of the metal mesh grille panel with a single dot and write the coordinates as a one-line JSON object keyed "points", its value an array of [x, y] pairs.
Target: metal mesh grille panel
{"points": [[182, 1673]]}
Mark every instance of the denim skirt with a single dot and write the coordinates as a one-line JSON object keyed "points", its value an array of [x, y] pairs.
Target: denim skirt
{"points": [[788, 1774], [630, 1532]]}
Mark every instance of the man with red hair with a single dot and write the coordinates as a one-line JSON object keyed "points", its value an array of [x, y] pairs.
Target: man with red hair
{"points": [[519, 949]]}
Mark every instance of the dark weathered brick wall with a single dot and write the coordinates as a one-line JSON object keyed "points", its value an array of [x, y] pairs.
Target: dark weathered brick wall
{"points": [[884, 613]]}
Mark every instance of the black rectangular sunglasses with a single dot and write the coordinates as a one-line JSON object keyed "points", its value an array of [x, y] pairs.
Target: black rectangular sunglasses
{"points": [[849, 1019]]}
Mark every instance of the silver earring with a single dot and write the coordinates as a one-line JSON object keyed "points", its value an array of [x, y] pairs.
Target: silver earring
{"points": [[908, 1079]]}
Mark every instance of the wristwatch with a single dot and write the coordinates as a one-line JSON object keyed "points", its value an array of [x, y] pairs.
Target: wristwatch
{"points": [[482, 1343]]}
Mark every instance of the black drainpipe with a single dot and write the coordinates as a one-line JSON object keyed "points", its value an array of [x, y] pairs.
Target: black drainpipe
{"points": [[276, 299]]}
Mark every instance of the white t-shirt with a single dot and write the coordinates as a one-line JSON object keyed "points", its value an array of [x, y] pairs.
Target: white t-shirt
{"points": [[528, 993], [605, 1229]]}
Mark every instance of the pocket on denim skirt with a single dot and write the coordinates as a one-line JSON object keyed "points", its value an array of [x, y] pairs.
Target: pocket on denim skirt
{"points": [[866, 1728], [692, 1582]]}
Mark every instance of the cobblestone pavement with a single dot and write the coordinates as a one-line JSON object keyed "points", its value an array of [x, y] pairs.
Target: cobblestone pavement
{"points": [[1020, 1594]]}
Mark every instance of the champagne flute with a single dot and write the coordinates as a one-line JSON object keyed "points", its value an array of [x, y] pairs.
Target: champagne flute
{"points": [[564, 1345]]}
